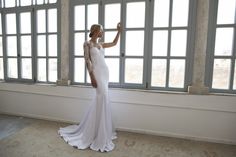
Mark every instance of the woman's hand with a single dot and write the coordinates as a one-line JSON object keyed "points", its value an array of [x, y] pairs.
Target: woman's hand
{"points": [[119, 28], [93, 80]]}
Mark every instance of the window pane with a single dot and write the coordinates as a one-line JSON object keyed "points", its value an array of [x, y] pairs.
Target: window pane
{"points": [[134, 71], [1, 69], [11, 46], [10, 3], [0, 23], [52, 73], [79, 17], [12, 71], [178, 42], [92, 15], [52, 1], [226, 12], [180, 12], [112, 15], [41, 45], [135, 14], [78, 43], [161, 13], [42, 71], [52, 20], [221, 74], [52, 45], [25, 21], [134, 43], [88, 78], [177, 73], [115, 50], [11, 23], [114, 70], [26, 45], [159, 72], [40, 1], [234, 86], [25, 2], [224, 41], [26, 68], [160, 42], [79, 70], [41, 21], [1, 54]]}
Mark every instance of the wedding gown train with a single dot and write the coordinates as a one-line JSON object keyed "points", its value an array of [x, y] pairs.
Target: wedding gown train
{"points": [[96, 128]]}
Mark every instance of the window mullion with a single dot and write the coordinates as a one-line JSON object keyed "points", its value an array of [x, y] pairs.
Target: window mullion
{"points": [[18, 37], [169, 44], [34, 44], [101, 12], [150, 44], [233, 61], [46, 57], [147, 42], [191, 28], [5, 60], [211, 43], [122, 43], [86, 35]]}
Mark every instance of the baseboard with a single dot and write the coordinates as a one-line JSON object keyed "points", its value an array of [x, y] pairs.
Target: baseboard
{"points": [[141, 131], [180, 136], [40, 117]]}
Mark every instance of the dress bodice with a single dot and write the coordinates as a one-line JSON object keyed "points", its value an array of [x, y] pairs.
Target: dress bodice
{"points": [[97, 56]]}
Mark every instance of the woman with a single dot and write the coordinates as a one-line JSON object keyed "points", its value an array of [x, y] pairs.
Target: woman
{"points": [[95, 130]]}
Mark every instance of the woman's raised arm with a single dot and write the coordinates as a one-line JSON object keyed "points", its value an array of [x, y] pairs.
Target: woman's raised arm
{"points": [[107, 45]]}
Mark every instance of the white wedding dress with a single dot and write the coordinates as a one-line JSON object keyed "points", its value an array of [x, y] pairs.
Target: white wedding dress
{"points": [[96, 128]]}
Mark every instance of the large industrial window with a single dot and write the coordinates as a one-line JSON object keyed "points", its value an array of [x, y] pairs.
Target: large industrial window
{"points": [[28, 40], [154, 51], [221, 72]]}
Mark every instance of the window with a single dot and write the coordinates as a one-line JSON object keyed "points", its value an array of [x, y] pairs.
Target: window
{"points": [[84, 17], [154, 50], [29, 41], [134, 33], [222, 48], [47, 47], [112, 15], [170, 44]]}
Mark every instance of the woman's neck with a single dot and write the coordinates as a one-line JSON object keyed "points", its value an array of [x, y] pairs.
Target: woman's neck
{"points": [[94, 40]]}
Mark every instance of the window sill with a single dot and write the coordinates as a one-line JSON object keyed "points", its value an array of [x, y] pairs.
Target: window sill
{"points": [[110, 88]]}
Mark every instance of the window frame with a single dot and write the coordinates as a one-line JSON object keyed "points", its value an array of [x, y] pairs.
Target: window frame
{"points": [[17, 9], [72, 32], [210, 57], [147, 52], [189, 57]]}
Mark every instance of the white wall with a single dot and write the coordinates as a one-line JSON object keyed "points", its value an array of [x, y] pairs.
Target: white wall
{"points": [[202, 117]]}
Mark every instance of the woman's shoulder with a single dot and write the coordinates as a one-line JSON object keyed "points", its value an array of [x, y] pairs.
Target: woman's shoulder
{"points": [[86, 43]]}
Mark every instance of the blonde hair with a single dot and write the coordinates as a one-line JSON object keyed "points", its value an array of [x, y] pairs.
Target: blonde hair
{"points": [[94, 28]]}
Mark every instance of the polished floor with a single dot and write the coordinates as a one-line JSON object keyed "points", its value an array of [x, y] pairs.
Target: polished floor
{"points": [[26, 137]]}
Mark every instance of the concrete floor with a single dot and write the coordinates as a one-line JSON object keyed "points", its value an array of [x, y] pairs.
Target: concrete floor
{"points": [[25, 137]]}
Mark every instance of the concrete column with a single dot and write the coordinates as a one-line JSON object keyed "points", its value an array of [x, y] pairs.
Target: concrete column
{"points": [[64, 79], [198, 86]]}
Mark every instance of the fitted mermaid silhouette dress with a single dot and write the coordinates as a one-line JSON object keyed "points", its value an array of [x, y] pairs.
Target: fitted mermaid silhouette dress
{"points": [[96, 129]]}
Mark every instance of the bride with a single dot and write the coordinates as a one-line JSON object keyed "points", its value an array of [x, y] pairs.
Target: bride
{"points": [[96, 128]]}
